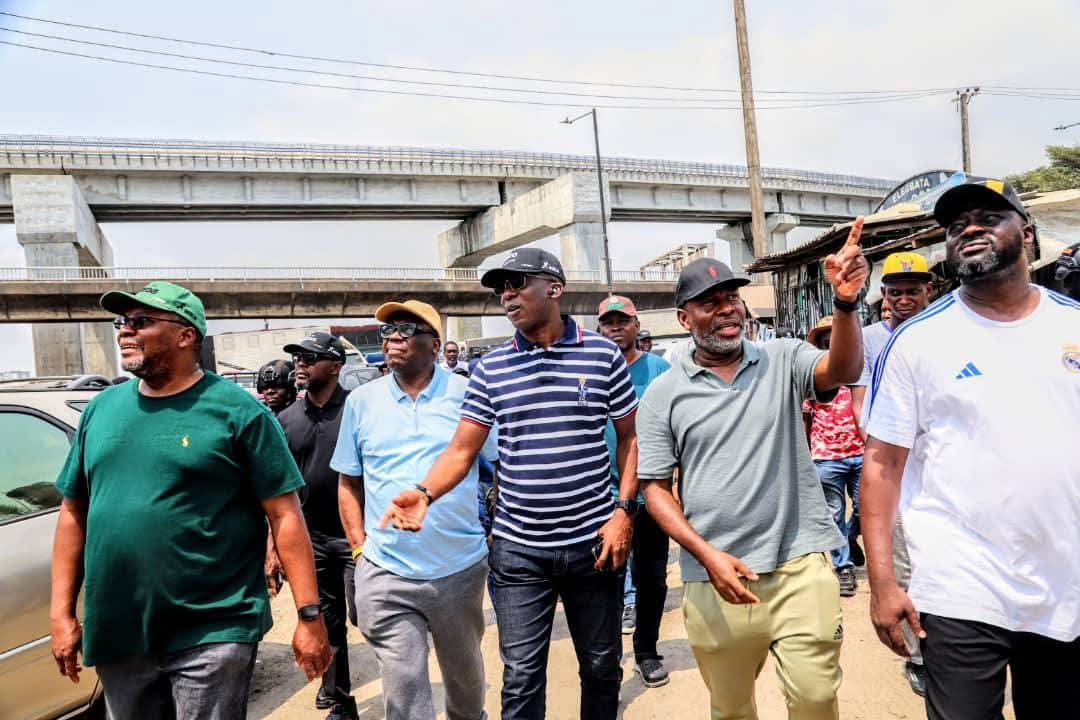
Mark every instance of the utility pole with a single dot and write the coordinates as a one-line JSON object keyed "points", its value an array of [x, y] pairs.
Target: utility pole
{"points": [[964, 97], [753, 162]]}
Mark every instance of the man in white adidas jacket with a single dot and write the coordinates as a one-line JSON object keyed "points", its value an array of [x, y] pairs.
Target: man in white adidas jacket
{"points": [[974, 406]]}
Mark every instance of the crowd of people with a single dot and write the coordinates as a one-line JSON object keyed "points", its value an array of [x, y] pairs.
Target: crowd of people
{"points": [[559, 467]]}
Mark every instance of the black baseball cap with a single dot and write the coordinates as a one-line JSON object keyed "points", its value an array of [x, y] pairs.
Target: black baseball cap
{"points": [[977, 192], [644, 335], [319, 342], [531, 261], [702, 276]]}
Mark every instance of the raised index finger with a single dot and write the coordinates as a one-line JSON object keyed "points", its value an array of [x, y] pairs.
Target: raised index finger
{"points": [[856, 232]]}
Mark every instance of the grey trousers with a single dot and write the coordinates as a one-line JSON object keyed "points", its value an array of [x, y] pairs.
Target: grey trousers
{"points": [[396, 614], [206, 682]]}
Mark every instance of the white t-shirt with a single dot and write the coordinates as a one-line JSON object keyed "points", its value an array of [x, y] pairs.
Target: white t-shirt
{"points": [[874, 338], [990, 497]]}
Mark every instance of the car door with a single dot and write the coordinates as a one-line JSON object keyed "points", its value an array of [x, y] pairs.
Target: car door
{"points": [[33, 447]]}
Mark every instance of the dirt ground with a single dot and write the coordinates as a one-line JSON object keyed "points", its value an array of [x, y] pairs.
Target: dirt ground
{"points": [[873, 686]]}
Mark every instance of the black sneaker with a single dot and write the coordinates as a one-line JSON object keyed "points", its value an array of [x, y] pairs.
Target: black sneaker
{"points": [[846, 575], [857, 555], [916, 677], [629, 619], [344, 711], [652, 672], [322, 702]]}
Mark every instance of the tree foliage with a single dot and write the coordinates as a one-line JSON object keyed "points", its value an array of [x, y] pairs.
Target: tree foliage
{"points": [[1063, 172]]}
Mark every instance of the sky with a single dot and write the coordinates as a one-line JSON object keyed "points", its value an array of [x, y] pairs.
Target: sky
{"points": [[794, 46]]}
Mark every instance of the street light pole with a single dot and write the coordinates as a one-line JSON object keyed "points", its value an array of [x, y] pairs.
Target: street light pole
{"points": [[603, 203]]}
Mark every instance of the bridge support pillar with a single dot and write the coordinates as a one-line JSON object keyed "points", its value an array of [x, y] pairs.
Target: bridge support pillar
{"points": [[581, 247], [465, 328], [54, 225], [568, 205], [777, 227]]}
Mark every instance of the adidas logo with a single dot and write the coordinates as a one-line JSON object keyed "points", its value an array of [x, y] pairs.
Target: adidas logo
{"points": [[839, 634], [968, 371]]}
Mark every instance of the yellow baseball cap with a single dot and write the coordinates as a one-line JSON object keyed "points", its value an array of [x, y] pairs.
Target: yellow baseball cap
{"points": [[905, 266], [419, 310]]}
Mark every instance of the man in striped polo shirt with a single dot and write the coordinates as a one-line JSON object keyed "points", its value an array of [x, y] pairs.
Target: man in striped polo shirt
{"points": [[558, 533]]}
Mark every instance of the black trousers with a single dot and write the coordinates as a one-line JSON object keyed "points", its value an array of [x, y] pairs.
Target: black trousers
{"points": [[649, 567], [334, 573], [965, 672]]}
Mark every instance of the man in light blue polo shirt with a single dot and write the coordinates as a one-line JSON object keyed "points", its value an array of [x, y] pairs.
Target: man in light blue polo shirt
{"points": [[408, 585]]}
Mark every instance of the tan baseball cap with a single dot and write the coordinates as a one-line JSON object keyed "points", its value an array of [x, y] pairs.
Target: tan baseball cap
{"points": [[419, 310]]}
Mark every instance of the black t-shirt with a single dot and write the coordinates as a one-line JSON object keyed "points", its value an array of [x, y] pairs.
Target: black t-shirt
{"points": [[312, 434]]}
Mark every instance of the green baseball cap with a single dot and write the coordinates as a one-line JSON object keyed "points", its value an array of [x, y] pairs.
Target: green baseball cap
{"points": [[160, 295]]}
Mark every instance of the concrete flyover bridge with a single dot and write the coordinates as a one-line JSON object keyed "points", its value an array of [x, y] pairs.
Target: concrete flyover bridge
{"points": [[126, 179], [70, 294]]}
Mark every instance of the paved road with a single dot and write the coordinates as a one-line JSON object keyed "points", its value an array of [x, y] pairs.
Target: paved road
{"points": [[873, 686]]}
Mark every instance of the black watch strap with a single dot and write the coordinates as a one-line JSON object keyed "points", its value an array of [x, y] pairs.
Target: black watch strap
{"points": [[844, 305], [307, 613], [629, 506], [427, 494]]}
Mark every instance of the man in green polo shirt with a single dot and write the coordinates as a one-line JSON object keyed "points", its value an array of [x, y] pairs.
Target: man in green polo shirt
{"points": [[753, 520], [168, 489]]}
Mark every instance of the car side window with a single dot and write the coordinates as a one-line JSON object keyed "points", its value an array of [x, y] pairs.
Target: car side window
{"points": [[32, 452]]}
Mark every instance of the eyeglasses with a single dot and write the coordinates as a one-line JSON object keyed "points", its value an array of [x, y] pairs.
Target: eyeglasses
{"points": [[138, 322], [310, 358], [515, 281], [404, 329]]}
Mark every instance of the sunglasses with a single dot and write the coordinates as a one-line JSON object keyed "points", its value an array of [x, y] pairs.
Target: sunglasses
{"points": [[515, 281], [138, 322], [310, 358], [404, 329]]}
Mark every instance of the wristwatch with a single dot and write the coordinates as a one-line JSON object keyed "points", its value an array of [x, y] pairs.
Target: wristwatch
{"points": [[308, 613], [427, 494], [845, 305], [629, 506]]}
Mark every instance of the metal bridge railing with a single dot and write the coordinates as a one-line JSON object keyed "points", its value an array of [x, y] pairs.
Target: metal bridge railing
{"points": [[242, 274]]}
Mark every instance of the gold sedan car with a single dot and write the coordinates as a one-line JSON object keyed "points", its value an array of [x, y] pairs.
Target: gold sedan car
{"points": [[37, 421]]}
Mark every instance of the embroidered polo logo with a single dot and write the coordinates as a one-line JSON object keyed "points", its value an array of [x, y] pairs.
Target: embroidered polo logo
{"points": [[185, 441], [1070, 358]]}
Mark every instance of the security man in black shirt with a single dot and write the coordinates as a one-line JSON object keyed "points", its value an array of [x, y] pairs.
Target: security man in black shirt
{"points": [[311, 427]]}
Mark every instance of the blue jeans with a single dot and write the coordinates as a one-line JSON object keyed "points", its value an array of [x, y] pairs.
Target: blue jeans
{"points": [[838, 476], [629, 591], [527, 583]]}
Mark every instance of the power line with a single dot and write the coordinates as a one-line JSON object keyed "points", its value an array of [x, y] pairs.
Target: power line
{"points": [[414, 93], [285, 68], [414, 68]]}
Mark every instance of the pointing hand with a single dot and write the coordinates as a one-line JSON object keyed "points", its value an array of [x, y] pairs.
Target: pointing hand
{"points": [[847, 269]]}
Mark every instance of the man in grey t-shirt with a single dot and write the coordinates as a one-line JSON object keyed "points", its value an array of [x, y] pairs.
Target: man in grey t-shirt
{"points": [[753, 520]]}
